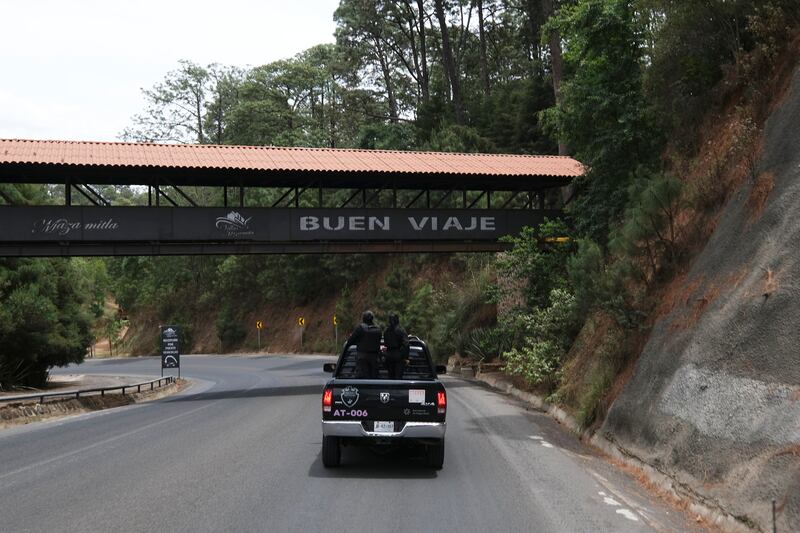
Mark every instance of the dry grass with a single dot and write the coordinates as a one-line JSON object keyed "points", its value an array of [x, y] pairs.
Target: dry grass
{"points": [[793, 450], [581, 358], [678, 292], [770, 283], [759, 194]]}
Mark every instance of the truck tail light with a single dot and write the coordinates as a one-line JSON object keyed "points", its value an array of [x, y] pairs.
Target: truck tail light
{"points": [[441, 401], [327, 400]]}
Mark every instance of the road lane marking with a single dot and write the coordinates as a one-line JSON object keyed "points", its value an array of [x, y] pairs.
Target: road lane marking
{"points": [[540, 440], [628, 514], [608, 500]]}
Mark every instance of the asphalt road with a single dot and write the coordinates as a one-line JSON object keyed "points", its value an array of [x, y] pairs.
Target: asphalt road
{"points": [[240, 451]]}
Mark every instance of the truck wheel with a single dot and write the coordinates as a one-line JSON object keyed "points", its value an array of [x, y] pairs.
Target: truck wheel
{"points": [[435, 455], [331, 451]]}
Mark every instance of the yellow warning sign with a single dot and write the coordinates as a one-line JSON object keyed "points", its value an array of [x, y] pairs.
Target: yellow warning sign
{"points": [[259, 324], [301, 321]]}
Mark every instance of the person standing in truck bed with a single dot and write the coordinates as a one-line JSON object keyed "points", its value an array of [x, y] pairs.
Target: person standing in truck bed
{"points": [[396, 340], [367, 338]]}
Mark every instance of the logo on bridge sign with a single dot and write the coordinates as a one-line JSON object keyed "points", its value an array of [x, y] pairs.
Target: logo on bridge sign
{"points": [[384, 397], [234, 224], [350, 396]]}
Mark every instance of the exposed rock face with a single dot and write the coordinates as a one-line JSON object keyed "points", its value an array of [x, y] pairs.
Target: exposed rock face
{"points": [[715, 398]]}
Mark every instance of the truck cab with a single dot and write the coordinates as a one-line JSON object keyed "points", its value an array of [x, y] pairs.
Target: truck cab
{"points": [[385, 412]]}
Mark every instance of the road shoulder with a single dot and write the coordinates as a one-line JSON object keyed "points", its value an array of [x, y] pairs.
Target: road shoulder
{"points": [[649, 478], [32, 411]]}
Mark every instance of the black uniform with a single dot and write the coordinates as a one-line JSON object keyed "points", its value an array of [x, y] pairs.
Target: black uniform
{"points": [[367, 338], [396, 340]]}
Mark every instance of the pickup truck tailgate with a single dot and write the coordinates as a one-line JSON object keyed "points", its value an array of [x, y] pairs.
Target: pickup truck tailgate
{"points": [[386, 400]]}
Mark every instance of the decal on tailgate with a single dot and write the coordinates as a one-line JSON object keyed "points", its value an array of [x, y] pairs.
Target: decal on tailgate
{"points": [[350, 396], [416, 395]]}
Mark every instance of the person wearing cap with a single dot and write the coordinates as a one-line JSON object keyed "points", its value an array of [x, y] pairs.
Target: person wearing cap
{"points": [[396, 340], [367, 339]]}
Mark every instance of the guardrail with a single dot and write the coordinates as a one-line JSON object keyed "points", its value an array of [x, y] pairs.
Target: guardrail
{"points": [[161, 382]]}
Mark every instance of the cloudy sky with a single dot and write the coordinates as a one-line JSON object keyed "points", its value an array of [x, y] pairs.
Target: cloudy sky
{"points": [[74, 69]]}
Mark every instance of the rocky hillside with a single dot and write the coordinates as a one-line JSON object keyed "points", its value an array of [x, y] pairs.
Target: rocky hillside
{"points": [[714, 400]]}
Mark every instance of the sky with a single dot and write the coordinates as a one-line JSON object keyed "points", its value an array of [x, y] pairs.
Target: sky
{"points": [[74, 69]]}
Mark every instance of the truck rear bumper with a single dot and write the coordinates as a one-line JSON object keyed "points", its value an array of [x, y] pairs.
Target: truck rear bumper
{"points": [[411, 430]]}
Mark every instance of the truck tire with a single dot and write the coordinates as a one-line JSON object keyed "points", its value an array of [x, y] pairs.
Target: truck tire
{"points": [[435, 455], [331, 451]]}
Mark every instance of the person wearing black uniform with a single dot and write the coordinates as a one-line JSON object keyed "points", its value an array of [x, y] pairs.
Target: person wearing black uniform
{"points": [[396, 340], [367, 338]]}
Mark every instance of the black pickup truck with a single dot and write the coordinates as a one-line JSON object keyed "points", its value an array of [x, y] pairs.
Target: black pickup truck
{"points": [[384, 412]]}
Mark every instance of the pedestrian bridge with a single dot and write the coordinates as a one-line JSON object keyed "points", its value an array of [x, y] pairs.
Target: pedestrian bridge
{"points": [[207, 199]]}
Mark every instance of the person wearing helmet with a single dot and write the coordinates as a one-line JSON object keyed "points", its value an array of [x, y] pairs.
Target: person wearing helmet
{"points": [[396, 340], [367, 338]]}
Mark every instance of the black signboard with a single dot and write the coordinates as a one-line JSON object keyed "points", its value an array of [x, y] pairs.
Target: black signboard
{"points": [[170, 347], [79, 224]]}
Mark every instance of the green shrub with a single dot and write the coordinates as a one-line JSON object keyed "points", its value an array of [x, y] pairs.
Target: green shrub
{"points": [[590, 405], [485, 344], [230, 330], [43, 319], [547, 335]]}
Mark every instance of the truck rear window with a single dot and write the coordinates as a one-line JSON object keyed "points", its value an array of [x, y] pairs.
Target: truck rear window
{"points": [[418, 367]]}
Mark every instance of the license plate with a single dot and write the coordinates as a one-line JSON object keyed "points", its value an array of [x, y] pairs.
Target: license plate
{"points": [[384, 427]]}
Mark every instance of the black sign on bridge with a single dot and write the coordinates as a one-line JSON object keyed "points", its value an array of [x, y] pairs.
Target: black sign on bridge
{"points": [[52, 230], [170, 348]]}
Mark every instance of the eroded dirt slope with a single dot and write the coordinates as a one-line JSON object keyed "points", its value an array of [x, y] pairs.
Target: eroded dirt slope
{"points": [[715, 397]]}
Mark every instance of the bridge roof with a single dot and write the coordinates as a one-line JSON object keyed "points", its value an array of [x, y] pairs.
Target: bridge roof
{"points": [[36, 161]]}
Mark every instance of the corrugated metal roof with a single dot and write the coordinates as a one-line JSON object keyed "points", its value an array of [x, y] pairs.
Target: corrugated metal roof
{"points": [[276, 159]]}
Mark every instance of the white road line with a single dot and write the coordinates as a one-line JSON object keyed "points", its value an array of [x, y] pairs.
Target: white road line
{"points": [[628, 514], [636, 507]]}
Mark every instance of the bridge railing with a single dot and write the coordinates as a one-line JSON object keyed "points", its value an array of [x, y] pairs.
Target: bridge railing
{"points": [[152, 384]]}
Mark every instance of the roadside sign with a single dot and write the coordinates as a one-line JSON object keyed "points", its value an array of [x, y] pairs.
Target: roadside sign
{"points": [[170, 348], [335, 334], [259, 327], [301, 321]]}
